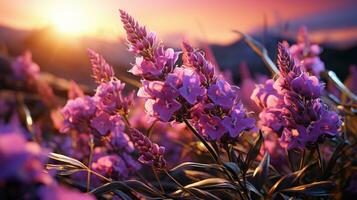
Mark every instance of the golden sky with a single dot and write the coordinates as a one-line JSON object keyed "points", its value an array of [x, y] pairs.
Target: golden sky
{"points": [[211, 20]]}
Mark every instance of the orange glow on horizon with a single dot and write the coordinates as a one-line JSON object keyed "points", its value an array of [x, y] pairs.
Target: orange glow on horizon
{"points": [[172, 20]]}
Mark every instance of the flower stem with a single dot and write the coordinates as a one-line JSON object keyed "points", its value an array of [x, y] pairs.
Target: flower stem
{"points": [[210, 149], [179, 184], [158, 180], [321, 164], [302, 161], [91, 147], [100, 176]]}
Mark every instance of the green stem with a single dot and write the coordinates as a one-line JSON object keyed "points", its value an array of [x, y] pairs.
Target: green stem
{"points": [[302, 161], [151, 128], [210, 149], [91, 146], [321, 163], [179, 184], [158, 180], [100, 176]]}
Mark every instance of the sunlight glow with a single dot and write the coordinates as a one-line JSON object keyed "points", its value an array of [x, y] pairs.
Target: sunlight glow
{"points": [[71, 19]]}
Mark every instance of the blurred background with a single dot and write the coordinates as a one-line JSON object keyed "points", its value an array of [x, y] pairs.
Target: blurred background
{"points": [[58, 32]]}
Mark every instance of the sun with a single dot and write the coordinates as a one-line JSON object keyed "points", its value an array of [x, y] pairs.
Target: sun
{"points": [[70, 19]]}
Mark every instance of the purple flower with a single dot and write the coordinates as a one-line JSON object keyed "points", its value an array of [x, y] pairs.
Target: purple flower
{"points": [[191, 91], [211, 127], [139, 39], [157, 89], [196, 60], [21, 160], [161, 102], [111, 165], [238, 121], [188, 84], [153, 60], [101, 70], [329, 124], [24, 68], [307, 86], [223, 94], [162, 108], [307, 54], [121, 140], [151, 153], [164, 62], [265, 95], [296, 113], [109, 97], [102, 123], [77, 114], [56, 192]]}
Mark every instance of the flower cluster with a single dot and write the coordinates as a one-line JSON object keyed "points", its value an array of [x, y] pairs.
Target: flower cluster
{"points": [[307, 54], [292, 107], [103, 116], [191, 91], [22, 165]]}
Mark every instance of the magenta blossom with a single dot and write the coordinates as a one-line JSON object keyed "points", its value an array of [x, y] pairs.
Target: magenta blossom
{"points": [[223, 94], [307, 54], [188, 84], [21, 160], [164, 61], [191, 91], [77, 113], [24, 68], [307, 86], [101, 70], [211, 127], [238, 121], [294, 111], [56, 192], [150, 153], [111, 165], [109, 97]]}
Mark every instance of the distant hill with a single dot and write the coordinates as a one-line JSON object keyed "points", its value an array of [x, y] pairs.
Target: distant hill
{"points": [[230, 56], [67, 57]]}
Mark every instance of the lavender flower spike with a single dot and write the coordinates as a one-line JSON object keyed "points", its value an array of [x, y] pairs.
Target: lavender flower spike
{"points": [[102, 71], [292, 108], [140, 41], [151, 153], [153, 61]]}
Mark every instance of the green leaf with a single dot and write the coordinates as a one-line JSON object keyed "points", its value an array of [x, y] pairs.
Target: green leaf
{"points": [[330, 75], [203, 194], [127, 186], [232, 154], [232, 168], [209, 181], [197, 166], [122, 195], [260, 175], [336, 154], [254, 151], [66, 159], [289, 180], [252, 188], [322, 188], [209, 184], [197, 175]]}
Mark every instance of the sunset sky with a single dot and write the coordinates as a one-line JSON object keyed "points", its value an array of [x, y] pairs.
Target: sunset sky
{"points": [[211, 20]]}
